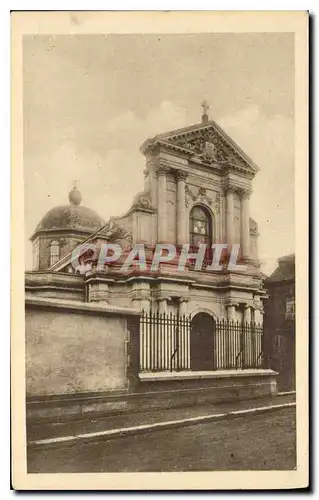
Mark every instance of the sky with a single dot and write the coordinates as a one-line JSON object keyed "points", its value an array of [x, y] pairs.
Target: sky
{"points": [[91, 100]]}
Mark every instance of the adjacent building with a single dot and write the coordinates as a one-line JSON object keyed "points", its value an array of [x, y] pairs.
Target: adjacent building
{"points": [[279, 321]]}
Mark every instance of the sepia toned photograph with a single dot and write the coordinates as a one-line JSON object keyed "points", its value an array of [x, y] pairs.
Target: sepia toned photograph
{"points": [[158, 184]]}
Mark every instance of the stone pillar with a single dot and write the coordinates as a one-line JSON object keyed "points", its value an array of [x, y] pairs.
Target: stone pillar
{"points": [[259, 316], [245, 225], [247, 314], [162, 305], [163, 331], [231, 312], [258, 310], [161, 205], [184, 339], [248, 343], [181, 208], [141, 296], [182, 309], [230, 217]]}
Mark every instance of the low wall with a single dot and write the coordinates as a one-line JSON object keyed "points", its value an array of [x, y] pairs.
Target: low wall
{"points": [[76, 348], [82, 360], [157, 395]]}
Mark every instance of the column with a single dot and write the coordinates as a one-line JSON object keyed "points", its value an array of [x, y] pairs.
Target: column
{"points": [[162, 343], [161, 205], [184, 335], [235, 334], [231, 312], [230, 217], [182, 306], [181, 208], [245, 224], [247, 314], [221, 342], [162, 305], [248, 342], [141, 296]]}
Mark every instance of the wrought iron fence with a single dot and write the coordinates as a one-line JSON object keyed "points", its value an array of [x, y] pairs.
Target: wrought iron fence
{"points": [[166, 344]]}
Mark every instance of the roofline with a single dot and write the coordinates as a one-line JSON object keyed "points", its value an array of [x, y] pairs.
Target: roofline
{"points": [[70, 230], [287, 258]]}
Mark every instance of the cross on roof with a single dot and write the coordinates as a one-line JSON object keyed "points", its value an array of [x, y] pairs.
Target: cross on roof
{"points": [[205, 107]]}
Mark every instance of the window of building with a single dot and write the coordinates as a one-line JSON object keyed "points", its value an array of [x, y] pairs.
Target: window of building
{"points": [[200, 227], [290, 308], [54, 252]]}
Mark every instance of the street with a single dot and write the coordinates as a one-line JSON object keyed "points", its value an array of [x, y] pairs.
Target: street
{"points": [[262, 442]]}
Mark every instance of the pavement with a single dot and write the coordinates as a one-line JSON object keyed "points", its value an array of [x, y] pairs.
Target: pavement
{"points": [[108, 427], [261, 441]]}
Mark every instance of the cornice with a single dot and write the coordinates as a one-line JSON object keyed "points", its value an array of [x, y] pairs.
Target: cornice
{"points": [[63, 231], [242, 191], [33, 279]]}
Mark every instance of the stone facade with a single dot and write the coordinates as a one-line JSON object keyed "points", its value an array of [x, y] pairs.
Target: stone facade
{"points": [[198, 166]]}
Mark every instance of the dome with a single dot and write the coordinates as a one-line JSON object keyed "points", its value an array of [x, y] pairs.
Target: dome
{"points": [[73, 217]]}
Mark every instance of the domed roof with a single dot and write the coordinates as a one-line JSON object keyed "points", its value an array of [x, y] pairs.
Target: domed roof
{"points": [[73, 216]]}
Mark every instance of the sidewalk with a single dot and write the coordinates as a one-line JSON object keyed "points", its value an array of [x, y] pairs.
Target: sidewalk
{"points": [[87, 427]]}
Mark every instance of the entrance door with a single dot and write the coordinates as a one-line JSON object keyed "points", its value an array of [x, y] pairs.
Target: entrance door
{"points": [[202, 342]]}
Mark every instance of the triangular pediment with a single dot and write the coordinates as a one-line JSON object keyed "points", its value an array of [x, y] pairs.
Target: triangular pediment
{"points": [[206, 142]]}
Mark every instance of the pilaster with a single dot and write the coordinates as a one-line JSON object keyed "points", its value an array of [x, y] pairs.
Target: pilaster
{"points": [[98, 291], [245, 223], [181, 208], [161, 204], [230, 216]]}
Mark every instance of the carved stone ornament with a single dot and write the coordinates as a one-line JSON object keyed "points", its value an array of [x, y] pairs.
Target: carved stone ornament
{"points": [[142, 200], [253, 226], [202, 197], [162, 170], [114, 232], [258, 305], [181, 175], [205, 144]]}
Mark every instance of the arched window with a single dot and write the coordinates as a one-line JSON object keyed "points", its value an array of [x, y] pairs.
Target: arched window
{"points": [[200, 227], [54, 252]]}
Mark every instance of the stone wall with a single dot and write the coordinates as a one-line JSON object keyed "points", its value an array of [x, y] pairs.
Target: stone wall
{"points": [[76, 348]]}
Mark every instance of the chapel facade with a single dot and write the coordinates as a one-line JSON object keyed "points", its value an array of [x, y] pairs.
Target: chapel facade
{"points": [[197, 187]]}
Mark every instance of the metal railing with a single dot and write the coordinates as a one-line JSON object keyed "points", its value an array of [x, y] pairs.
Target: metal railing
{"points": [[166, 344]]}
